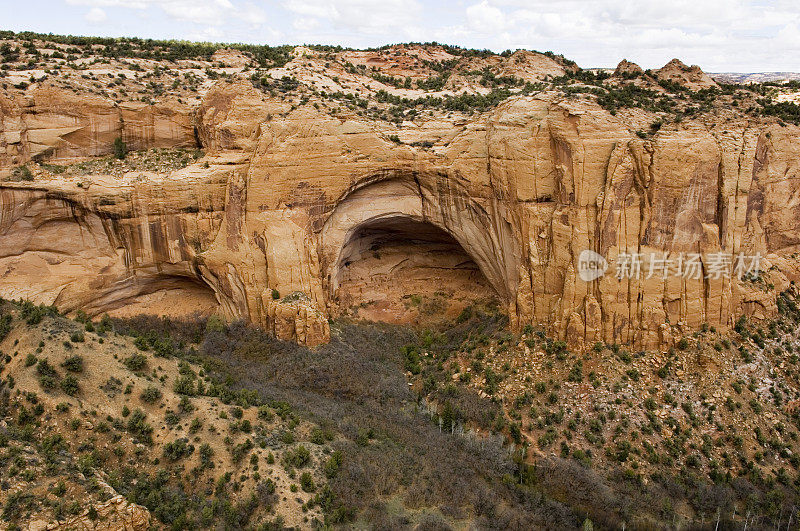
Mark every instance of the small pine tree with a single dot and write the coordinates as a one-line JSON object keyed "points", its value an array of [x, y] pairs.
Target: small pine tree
{"points": [[120, 149]]}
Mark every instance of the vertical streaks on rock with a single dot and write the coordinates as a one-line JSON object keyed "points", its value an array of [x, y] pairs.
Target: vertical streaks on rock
{"points": [[284, 194]]}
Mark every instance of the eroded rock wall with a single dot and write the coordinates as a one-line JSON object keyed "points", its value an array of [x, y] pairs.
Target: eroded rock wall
{"points": [[50, 123], [523, 189]]}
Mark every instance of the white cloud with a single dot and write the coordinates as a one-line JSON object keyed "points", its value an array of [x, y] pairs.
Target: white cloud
{"points": [[312, 9], [484, 17], [387, 17], [213, 12], [209, 34], [306, 24], [718, 35], [135, 4], [790, 35], [95, 15], [252, 14]]}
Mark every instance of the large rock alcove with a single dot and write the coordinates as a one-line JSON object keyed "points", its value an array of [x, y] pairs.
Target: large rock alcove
{"points": [[398, 269], [402, 248]]}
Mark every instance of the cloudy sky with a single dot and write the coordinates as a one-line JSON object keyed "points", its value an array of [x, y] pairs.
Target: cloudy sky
{"points": [[719, 35]]}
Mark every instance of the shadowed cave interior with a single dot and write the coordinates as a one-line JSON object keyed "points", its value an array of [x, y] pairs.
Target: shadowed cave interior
{"points": [[400, 270]]}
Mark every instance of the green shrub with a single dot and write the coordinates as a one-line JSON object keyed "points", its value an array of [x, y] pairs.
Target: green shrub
{"points": [[333, 464], [178, 449], [47, 374], [492, 381], [135, 362], [265, 413], [151, 394], [298, 458], [138, 425], [33, 314], [5, 326], [16, 503], [73, 363], [105, 324], [69, 384], [22, 173], [241, 450], [317, 436], [185, 386], [576, 373], [307, 482], [412, 363], [206, 454], [120, 148], [163, 348], [185, 405], [170, 418], [559, 348]]}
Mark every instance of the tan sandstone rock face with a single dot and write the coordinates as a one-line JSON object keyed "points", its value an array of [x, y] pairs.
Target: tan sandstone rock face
{"points": [[296, 215], [115, 514], [689, 76], [56, 124], [627, 68]]}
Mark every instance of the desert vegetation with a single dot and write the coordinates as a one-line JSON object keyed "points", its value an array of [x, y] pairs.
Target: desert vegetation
{"points": [[222, 423], [407, 87], [495, 429]]}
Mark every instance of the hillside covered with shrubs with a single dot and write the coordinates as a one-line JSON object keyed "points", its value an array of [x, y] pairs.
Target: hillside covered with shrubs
{"points": [[204, 424]]}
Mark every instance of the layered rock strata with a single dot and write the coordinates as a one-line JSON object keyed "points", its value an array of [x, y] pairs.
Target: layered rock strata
{"points": [[267, 226]]}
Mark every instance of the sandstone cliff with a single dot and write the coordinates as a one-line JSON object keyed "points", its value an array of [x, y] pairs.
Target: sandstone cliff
{"points": [[270, 224]]}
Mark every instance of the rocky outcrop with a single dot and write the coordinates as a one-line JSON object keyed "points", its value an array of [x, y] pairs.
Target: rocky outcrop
{"points": [[116, 513], [49, 123], [532, 66], [626, 68], [276, 207], [295, 319], [691, 77], [229, 57]]}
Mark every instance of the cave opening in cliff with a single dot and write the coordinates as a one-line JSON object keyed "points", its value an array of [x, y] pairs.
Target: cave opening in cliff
{"points": [[173, 296], [400, 270]]}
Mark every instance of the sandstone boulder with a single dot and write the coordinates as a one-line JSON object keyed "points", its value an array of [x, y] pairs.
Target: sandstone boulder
{"points": [[691, 77]]}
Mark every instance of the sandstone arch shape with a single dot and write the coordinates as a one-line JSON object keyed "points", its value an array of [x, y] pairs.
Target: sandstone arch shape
{"points": [[433, 197], [57, 251]]}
